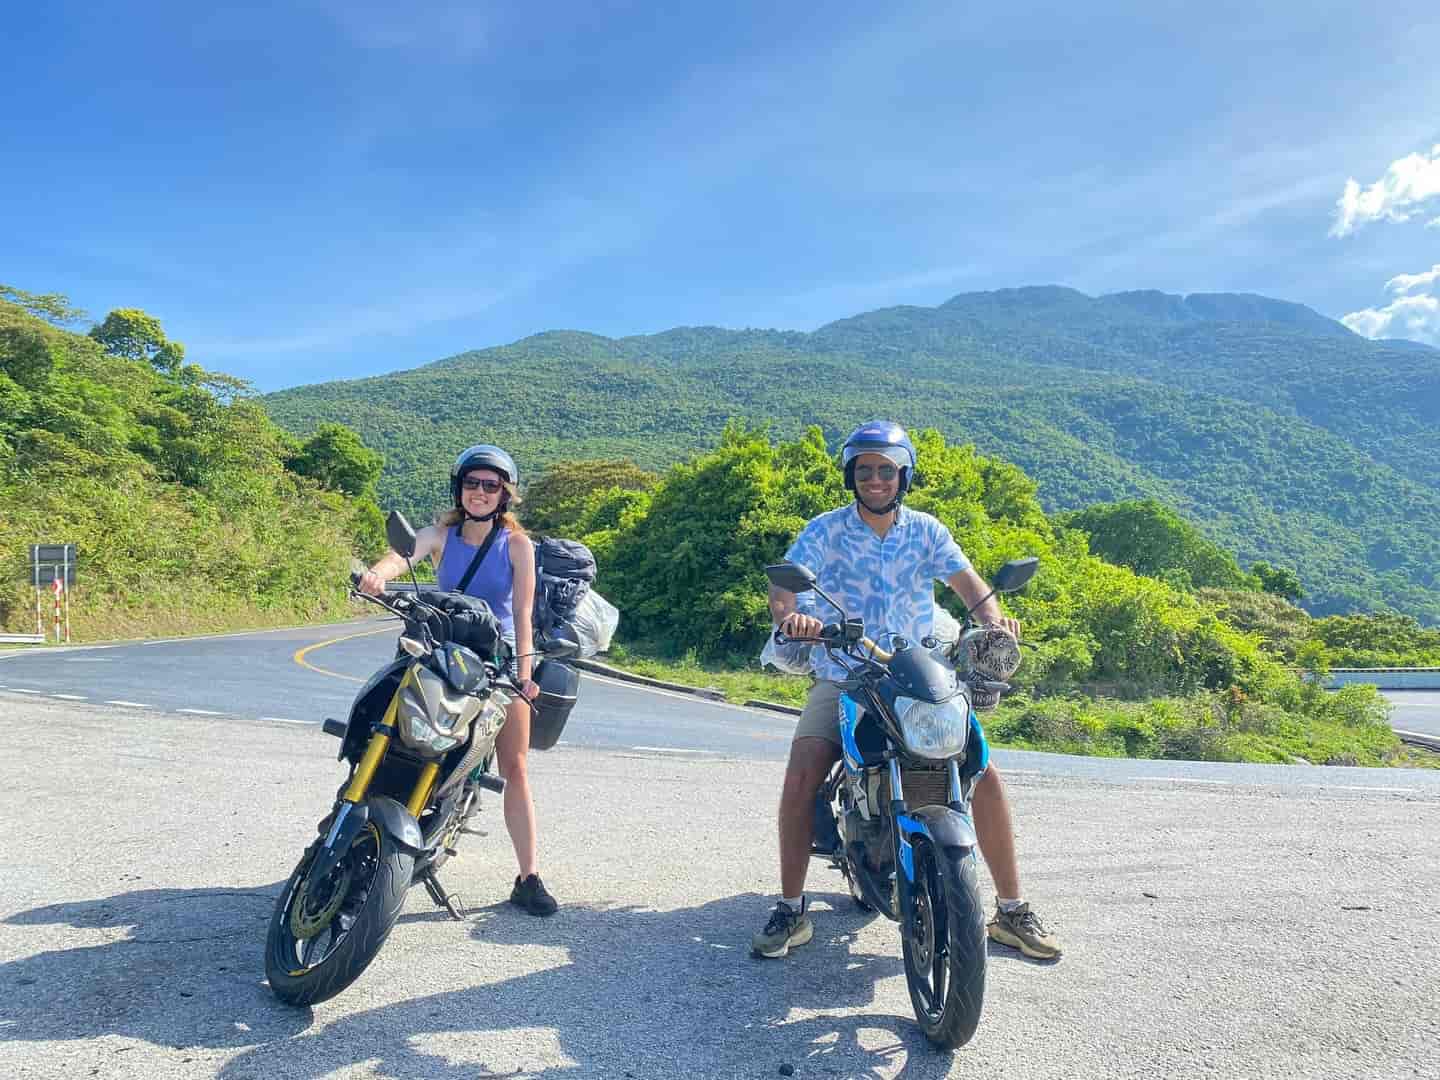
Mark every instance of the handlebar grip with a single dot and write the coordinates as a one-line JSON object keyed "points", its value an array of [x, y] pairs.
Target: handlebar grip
{"points": [[354, 580]]}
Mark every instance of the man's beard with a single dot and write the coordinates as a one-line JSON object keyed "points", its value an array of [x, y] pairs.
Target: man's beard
{"points": [[884, 508]]}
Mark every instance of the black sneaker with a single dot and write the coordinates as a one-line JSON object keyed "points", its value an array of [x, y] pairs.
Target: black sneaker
{"points": [[531, 895]]}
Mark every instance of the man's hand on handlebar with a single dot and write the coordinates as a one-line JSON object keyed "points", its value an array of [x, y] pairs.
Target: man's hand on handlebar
{"points": [[797, 625], [1008, 624]]}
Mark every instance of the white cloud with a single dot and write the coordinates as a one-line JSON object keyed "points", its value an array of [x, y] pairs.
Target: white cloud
{"points": [[1413, 314], [1401, 284], [1396, 196]]}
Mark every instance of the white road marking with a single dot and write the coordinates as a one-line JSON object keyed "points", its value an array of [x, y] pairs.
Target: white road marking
{"points": [[71, 697], [131, 704], [287, 720], [675, 750], [22, 690], [201, 712]]}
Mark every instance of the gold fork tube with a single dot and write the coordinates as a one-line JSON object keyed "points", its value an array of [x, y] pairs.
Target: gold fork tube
{"points": [[375, 751], [421, 795]]}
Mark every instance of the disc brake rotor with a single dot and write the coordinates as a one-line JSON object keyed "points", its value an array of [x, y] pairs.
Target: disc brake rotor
{"points": [[305, 923], [924, 929]]}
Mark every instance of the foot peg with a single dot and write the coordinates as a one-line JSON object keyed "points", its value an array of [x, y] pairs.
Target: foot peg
{"points": [[491, 782]]}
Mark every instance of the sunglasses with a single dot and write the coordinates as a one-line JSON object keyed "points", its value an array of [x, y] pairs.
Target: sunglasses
{"points": [[866, 472], [487, 484]]}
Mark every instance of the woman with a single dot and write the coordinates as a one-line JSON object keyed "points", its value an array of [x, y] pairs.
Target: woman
{"points": [[482, 483]]}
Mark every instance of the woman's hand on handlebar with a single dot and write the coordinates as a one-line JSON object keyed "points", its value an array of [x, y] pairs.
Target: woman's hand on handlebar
{"points": [[371, 583]]}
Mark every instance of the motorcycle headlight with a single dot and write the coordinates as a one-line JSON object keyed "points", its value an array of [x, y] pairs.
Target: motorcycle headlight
{"points": [[418, 730], [934, 730]]}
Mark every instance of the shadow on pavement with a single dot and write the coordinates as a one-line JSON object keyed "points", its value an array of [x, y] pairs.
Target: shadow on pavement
{"points": [[662, 994], [187, 972], [640, 994]]}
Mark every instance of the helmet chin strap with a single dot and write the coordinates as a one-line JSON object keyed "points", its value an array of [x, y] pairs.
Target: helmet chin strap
{"points": [[890, 507], [484, 517]]}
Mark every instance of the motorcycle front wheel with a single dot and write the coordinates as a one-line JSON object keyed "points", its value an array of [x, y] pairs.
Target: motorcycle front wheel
{"points": [[944, 947], [322, 939]]}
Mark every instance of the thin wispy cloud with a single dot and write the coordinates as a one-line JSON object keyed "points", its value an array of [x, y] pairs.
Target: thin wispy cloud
{"points": [[1413, 314], [1397, 196], [454, 28]]}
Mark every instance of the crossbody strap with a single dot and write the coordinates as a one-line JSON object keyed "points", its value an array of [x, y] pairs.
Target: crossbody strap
{"points": [[479, 557]]}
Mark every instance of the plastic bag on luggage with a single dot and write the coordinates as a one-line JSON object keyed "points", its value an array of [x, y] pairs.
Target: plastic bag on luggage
{"points": [[594, 623]]}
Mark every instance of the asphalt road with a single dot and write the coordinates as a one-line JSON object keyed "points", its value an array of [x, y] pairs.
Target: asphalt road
{"points": [[300, 676], [1253, 929], [1415, 710]]}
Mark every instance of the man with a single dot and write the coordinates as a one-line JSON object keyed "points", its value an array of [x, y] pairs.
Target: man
{"points": [[879, 560]]}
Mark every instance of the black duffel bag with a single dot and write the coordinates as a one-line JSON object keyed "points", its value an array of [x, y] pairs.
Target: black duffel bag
{"points": [[467, 621]]}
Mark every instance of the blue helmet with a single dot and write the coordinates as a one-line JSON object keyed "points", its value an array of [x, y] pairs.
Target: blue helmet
{"points": [[883, 437]]}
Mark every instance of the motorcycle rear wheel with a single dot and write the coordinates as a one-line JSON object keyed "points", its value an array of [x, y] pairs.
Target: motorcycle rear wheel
{"points": [[945, 957], [329, 957]]}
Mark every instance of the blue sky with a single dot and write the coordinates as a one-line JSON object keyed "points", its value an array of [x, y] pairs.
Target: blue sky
{"points": [[314, 190]]}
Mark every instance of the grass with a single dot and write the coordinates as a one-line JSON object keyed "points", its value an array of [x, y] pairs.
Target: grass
{"points": [[1345, 727]]}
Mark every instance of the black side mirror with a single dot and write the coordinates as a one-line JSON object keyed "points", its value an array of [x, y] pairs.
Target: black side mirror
{"points": [[561, 647], [399, 534], [792, 577], [1015, 574]]}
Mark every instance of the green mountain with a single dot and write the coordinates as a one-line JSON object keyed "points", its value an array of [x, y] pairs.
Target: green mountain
{"points": [[1281, 434]]}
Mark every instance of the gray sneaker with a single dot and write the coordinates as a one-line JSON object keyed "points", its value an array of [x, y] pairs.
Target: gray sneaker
{"points": [[1022, 929], [786, 927]]}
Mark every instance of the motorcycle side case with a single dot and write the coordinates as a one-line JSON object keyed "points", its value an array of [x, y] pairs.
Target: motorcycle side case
{"points": [[559, 687]]}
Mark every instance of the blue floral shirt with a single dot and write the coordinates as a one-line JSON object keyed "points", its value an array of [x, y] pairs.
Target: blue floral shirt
{"points": [[887, 581]]}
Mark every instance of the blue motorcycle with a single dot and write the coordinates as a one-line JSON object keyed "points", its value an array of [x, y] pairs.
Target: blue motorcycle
{"points": [[894, 816]]}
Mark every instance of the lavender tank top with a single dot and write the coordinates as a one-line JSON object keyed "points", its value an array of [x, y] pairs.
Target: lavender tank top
{"points": [[494, 579]]}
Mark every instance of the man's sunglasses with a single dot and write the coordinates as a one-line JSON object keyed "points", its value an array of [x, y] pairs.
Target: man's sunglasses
{"points": [[866, 472], [486, 484]]}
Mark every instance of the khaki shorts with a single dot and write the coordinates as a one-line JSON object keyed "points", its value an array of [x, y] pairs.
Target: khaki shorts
{"points": [[821, 717]]}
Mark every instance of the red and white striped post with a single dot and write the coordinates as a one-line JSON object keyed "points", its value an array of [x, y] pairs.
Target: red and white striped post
{"points": [[59, 587]]}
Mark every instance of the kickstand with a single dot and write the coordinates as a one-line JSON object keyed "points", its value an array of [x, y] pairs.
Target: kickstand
{"points": [[451, 902]]}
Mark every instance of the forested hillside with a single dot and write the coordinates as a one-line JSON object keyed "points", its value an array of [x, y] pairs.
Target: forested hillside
{"points": [[189, 507], [1278, 432]]}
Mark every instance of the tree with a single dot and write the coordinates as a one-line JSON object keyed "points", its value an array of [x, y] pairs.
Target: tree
{"points": [[1155, 541], [563, 494], [52, 307], [335, 458], [1278, 580], [137, 335]]}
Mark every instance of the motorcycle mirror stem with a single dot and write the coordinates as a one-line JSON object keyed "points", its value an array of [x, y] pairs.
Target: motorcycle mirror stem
{"points": [[826, 597], [979, 604]]}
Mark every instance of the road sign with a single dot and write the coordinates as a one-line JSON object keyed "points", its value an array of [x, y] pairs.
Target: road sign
{"points": [[52, 562]]}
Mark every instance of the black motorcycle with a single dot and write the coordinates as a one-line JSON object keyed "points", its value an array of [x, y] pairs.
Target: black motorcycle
{"points": [[420, 743], [894, 816]]}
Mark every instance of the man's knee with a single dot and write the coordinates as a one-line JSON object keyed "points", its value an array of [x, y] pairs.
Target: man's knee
{"points": [[809, 764]]}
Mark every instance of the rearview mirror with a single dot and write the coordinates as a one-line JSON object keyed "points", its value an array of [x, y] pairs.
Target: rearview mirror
{"points": [[561, 647], [399, 534], [792, 577], [1015, 574]]}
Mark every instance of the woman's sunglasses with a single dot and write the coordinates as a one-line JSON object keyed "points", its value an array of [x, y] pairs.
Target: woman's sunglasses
{"points": [[483, 483], [865, 472]]}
